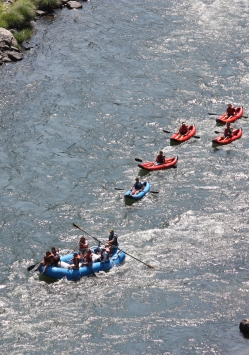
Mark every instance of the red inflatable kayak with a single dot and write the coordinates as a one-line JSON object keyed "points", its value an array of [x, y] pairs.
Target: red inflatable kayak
{"points": [[149, 165], [238, 113], [237, 133], [179, 138]]}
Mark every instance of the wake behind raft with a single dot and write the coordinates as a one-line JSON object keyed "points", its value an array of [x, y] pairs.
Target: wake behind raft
{"points": [[116, 259]]}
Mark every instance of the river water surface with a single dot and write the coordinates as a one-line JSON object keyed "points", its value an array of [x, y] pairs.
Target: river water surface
{"points": [[95, 93]]}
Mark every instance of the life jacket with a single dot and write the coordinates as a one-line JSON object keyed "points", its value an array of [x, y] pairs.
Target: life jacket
{"points": [[137, 185], [160, 159], [56, 257], [183, 129], [48, 259], [115, 237], [230, 111], [83, 245], [88, 258]]}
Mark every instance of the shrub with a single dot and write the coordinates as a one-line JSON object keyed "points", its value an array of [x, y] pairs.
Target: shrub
{"points": [[13, 19], [23, 35], [48, 5], [26, 8], [18, 15]]}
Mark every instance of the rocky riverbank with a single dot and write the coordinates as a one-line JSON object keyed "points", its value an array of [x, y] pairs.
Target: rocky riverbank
{"points": [[10, 51], [8, 47]]}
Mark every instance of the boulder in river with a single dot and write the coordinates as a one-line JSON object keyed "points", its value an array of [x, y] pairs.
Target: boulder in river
{"points": [[74, 5], [244, 326]]}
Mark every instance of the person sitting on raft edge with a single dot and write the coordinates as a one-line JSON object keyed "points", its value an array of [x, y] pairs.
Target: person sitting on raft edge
{"points": [[112, 240], [88, 258], [57, 257], [83, 245], [137, 187], [160, 159], [48, 260], [76, 261]]}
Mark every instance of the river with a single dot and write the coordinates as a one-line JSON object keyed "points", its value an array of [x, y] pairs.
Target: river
{"points": [[93, 94]]}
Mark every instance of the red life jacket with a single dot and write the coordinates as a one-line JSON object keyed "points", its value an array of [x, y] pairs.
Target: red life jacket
{"points": [[88, 258], [230, 111], [83, 245], [48, 259], [160, 159], [183, 129]]}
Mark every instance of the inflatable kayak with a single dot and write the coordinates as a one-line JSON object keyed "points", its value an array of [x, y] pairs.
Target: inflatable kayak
{"points": [[150, 165], [178, 138], [238, 113], [221, 140], [117, 258], [141, 194]]}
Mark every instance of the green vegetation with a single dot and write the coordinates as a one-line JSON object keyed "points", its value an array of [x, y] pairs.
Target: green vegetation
{"points": [[19, 15], [23, 35], [48, 5]]}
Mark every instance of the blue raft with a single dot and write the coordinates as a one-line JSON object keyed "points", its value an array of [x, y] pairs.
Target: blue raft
{"points": [[140, 194], [117, 258]]}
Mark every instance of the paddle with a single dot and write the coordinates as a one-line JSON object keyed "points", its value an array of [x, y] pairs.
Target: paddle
{"points": [[31, 267], [150, 266], [153, 192], [216, 114], [164, 130]]}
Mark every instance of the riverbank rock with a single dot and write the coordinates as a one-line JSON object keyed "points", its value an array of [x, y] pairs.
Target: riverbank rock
{"points": [[74, 5], [244, 326], [8, 50]]}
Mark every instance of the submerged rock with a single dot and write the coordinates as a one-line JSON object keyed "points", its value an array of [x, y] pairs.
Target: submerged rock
{"points": [[244, 326]]}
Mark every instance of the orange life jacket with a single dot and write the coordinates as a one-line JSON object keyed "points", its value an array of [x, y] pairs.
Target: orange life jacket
{"points": [[83, 245], [88, 258]]}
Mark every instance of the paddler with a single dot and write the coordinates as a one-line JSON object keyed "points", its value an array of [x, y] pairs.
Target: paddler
{"points": [[48, 260], [112, 240], [137, 187], [160, 159], [228, 132], [230, 111], [183, 129], [76, 261]]}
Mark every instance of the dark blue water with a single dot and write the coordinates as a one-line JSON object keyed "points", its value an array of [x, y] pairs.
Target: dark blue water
{"points": [[94, 94]]}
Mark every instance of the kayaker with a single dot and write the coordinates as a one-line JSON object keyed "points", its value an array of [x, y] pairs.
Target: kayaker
{"points": [[228, 132], [112, 240], [160, 159], [48, 260], [230, 111], [76, 261], [57, 258], [137, 187], [183, 129]]}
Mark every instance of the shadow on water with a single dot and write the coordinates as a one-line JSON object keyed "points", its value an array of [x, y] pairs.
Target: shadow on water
{"points": [[143, 172], [174, 142], [47, 279], [129, 201]]}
